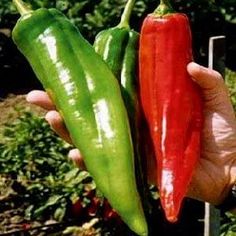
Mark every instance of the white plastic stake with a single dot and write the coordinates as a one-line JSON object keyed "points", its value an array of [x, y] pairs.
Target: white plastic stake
{"points": [[216, 61]]}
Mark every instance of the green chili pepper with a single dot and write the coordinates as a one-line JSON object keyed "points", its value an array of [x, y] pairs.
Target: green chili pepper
{"points": [[118, 47], [88, 97]]}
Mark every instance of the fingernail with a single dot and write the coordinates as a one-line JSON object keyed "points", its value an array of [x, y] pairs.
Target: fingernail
{"points": [[28, 97]]}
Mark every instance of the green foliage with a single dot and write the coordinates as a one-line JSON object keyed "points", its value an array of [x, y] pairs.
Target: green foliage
{"points": [[6, 7], [230, 80], [228, 8], [228, 228], [29, 144], [93, 16], [89, 16], [207, 17], [34, 160]]}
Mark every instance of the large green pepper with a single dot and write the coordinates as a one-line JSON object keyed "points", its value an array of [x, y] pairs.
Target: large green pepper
{"points": [[88, 97], [118, 47]]}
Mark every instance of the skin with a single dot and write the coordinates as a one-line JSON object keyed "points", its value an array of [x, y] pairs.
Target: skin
{"points": [[216, 170]]}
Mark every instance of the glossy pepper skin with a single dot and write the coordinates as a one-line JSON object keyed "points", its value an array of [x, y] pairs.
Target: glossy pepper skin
{"points": [[88, 97], [171, 102], [118, 47]]}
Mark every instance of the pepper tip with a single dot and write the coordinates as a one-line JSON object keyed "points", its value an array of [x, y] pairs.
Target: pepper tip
{"points": [[171, 208]]}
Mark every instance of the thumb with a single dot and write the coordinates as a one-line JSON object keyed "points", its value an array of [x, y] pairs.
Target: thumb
{"points": [[209, 80], [214, 90]]}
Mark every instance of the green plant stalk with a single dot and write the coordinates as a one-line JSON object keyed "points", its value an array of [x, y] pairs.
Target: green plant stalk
{"points": [[88, 97], [164, 8], [22, 7], [125, 17]]}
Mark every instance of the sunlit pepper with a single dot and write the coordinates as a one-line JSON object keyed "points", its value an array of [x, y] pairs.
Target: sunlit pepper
{"points": [[171, 102], [88, 97]]}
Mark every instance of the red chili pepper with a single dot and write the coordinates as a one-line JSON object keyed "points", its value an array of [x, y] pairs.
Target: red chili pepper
{"points": [[77, 208], [94, 206], [171, 102], [109, 214], [26, 226]]}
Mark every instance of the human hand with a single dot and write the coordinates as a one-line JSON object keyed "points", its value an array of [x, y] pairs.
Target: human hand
{"points": [[216, 169], [41, 99]]}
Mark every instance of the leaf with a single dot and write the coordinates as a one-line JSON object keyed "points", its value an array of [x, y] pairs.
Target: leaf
{"points": [[233, 228], [34, 186], [38, 212], [82, 175], [53, 200], [29, 211], [71, 174], [71, 230], [59, 213], [62, 5]]}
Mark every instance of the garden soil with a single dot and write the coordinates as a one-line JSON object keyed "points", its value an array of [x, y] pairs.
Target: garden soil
{"points": [[10, 106]]}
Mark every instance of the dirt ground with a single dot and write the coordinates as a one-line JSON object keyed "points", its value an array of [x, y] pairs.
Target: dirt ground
{"points": [[10, 106]]}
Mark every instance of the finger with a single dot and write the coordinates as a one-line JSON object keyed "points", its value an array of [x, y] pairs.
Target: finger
{"points": [[215, 92], [206, 78], [77, 158], [56, 122], [40, 98]]}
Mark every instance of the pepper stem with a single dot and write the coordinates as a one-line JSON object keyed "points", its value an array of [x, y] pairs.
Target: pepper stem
{"points": [[125, 17], [22, 7], [164, 8]]}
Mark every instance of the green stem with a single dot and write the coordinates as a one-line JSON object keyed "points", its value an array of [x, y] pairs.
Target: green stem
{"points": [[164, 8], [125, 17], [22, 7]]}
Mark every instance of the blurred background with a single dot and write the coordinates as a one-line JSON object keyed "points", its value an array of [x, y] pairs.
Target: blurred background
{"points": [[39, 186]]}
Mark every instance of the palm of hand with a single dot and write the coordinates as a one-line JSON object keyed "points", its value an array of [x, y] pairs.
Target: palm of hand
{"points": [[215, 170]]}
